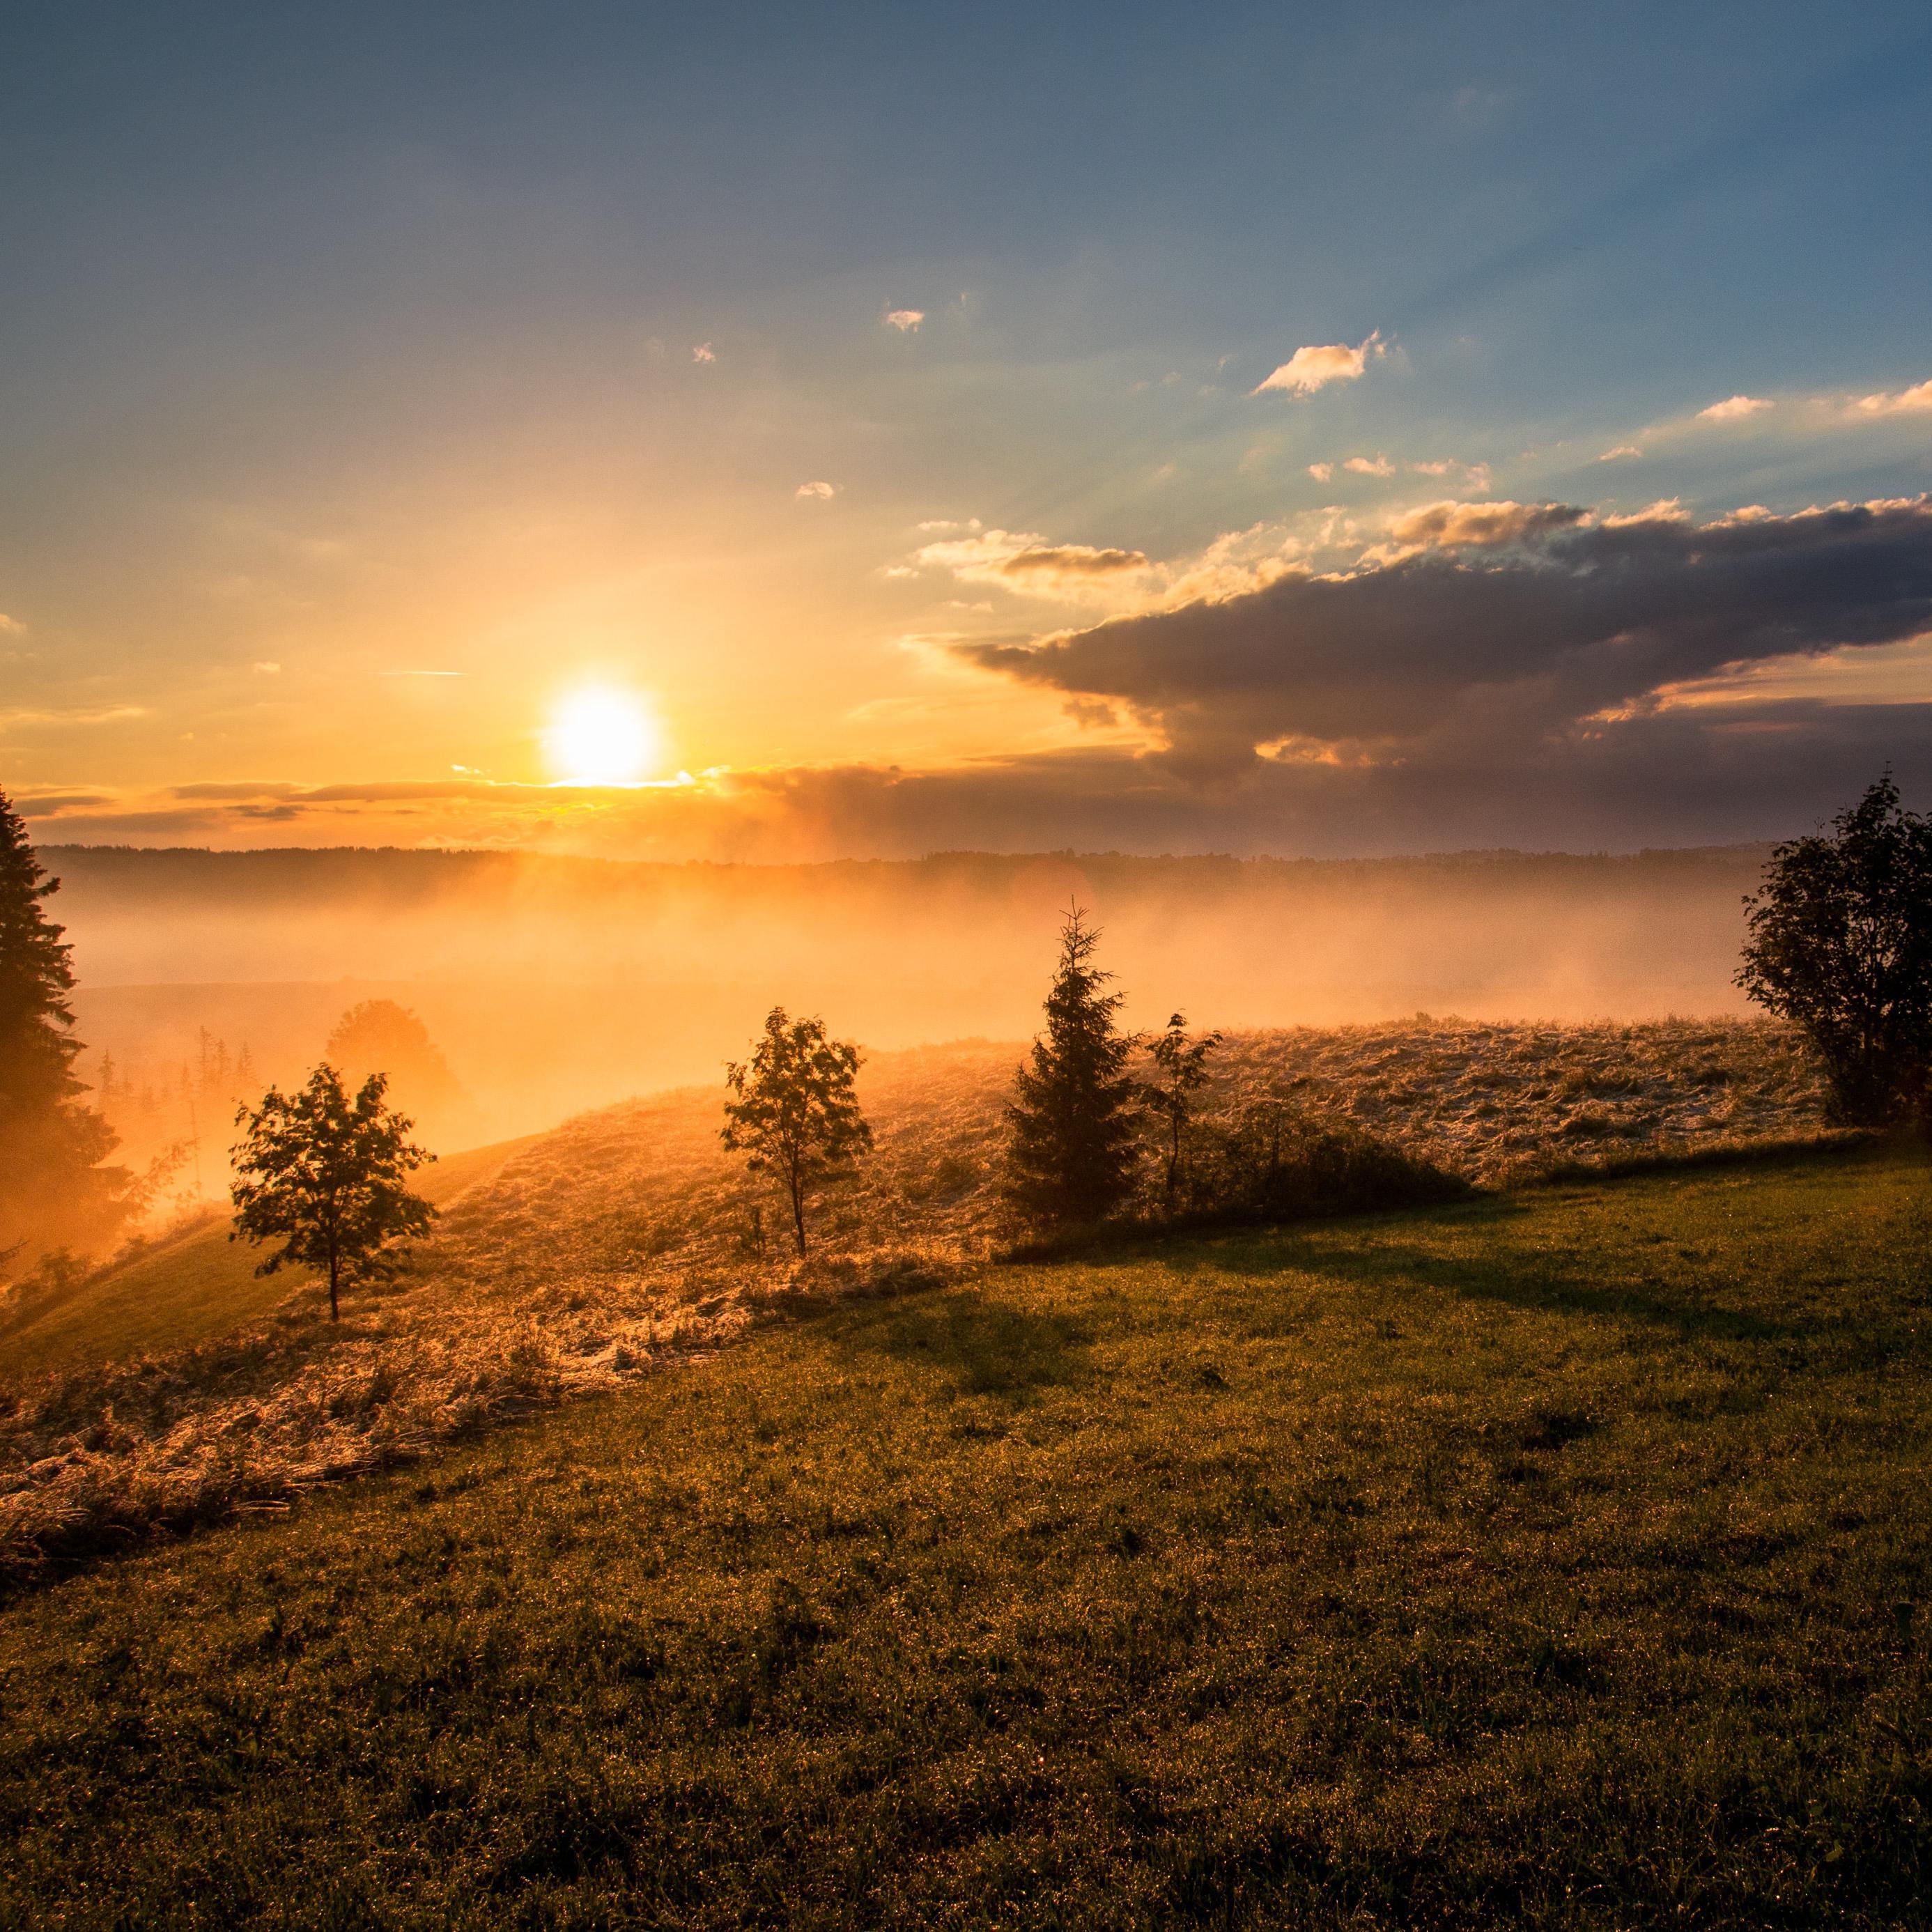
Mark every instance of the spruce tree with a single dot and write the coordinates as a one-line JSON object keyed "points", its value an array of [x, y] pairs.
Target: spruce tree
{"points": [[1073, 1120], [53, 1189]]}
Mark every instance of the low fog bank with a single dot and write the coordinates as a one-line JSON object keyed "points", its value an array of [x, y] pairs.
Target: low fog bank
{"points": [[552, 985]]}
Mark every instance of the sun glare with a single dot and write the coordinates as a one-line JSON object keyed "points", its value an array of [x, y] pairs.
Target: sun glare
{"points": [[601, 735]]}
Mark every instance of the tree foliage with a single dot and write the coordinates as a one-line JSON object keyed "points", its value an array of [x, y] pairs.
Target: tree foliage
{"points": [[793, 1113], [1180, 1060], [380, 1037], [327, 1176], [53, 1186], [1840, 944], [1073, 1122]]}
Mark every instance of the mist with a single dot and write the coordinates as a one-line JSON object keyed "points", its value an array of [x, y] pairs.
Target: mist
{"points": [[554, 985]]}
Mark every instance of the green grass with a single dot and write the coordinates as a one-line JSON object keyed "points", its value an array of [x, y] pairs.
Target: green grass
{"points": [[193, 1287], [1553, 1560]]}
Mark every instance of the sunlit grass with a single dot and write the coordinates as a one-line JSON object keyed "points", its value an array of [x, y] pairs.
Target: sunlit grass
{"points": [[1551, 1560]]}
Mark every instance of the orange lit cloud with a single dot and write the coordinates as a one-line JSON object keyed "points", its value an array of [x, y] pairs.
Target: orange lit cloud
{"points": [[1314, 365]]}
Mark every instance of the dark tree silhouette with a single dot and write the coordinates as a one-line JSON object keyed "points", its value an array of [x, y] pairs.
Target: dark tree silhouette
{"points": [[1840, 944], [1181, 1061], [1073, 1120], [53, 1188], [326, 1175], [793, 1113]]}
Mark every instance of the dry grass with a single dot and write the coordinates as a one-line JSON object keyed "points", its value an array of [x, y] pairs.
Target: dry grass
{"points": [[628, 1236]]}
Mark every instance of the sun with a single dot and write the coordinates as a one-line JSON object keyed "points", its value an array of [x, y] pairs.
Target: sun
{"points": [[601, 734]]}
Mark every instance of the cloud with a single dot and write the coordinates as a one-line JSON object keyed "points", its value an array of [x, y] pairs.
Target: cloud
{"points": [[1557, 619], [1902, 402], [1450, 524], [267, 668], [54, 804], [1026, 561], [1662, 778], [10, 627], [704, 352], [822, 492], [1321, 472], [905, 320], [31, 717], [1734, 408], [1077, 560], [1618, 455], [1370, 466], [1314, 365]]}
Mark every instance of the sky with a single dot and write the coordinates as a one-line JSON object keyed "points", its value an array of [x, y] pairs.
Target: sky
{"points": [[769, 433]]}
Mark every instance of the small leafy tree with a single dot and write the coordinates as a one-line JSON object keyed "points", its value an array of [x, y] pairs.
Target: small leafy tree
{"points": [[1840, 945], [54, 1189], [793, 1112], [1181, 1062], [326, 1175], [1073, 1120]]}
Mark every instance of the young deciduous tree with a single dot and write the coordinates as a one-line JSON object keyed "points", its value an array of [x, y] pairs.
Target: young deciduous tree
{"points": [[53, 1188], [1840, 944], [1071, 1122], [326, 1175], [793, 1111], [1181, 1061]]}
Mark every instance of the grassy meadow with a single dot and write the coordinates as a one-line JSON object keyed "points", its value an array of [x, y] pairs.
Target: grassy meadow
{"points": [[1554, 1559], [176, 1388]]}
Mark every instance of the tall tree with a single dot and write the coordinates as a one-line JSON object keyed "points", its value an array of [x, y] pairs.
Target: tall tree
{"points": [[327, 1176], [1840, 944], [54, 1190], [1072, 1121], [1181, 1061], [793, 1112]]}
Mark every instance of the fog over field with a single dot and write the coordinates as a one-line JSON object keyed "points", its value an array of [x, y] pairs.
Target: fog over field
{"points": [[552, 985]]}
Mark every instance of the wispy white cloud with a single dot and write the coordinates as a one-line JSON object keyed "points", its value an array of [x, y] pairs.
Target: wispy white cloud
{"points": [[905, 320], [1370, 466], [822, 492], [1898, 403], [1618, 455], [1734, 408], [10, 627], [1314, 365], [1321, 472], [704, 352], [267, 667]]}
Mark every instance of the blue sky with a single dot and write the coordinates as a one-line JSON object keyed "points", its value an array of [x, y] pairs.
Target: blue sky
{"points": [[553, 350]]}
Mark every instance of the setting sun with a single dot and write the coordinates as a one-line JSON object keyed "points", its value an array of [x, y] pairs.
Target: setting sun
{"points": [[601, 735]]}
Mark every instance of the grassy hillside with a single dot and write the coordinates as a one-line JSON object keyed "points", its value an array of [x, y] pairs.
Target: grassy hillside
{"points": [[1554, 1560], [189, 1288]]}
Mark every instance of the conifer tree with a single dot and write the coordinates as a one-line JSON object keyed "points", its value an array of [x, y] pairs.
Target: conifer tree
{"points": [[1073, 1121], [53, 1189]]}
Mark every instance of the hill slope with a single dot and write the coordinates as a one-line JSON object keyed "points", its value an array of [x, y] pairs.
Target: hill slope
{"points": [[1551, 1560], [191, 1287]]}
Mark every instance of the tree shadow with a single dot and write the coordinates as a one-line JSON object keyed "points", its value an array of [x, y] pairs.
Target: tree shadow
{"points": [[987, 1347], [1505, 1272]]}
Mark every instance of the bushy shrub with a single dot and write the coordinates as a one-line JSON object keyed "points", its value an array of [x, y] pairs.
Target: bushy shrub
{"points": [[1271, 1161]]}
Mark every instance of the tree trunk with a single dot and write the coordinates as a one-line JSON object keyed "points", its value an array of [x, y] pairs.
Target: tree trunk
{"points": [[334, 1300], [797, 1212]]}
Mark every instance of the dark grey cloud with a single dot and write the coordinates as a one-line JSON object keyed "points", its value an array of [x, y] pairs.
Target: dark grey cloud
{"points": [[1512, 627]]}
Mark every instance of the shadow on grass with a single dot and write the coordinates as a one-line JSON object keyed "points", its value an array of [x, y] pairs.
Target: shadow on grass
{"points": [[987, 1347], [1484, 1260]]}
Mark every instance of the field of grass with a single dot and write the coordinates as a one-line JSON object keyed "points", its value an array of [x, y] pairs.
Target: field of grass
{"points": [[179, 1389], [1553, 1559]]}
